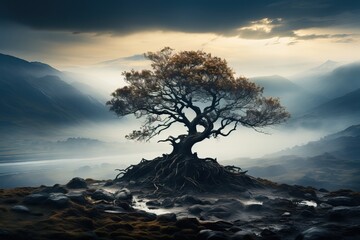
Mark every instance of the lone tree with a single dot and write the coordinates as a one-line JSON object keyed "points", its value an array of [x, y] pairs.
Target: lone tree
{"points": [[200, 92]]}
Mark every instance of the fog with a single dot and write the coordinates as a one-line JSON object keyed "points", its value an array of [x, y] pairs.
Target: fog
{"points": [[48, 154], [95, 150]]}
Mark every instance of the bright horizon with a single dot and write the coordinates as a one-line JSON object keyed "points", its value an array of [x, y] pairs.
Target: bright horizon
{"points": [[257, 39]]}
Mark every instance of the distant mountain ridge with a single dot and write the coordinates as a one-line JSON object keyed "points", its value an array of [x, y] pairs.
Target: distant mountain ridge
{"points": [[344, 110], [343, 144], [32, 93], [331, 83], [295, 98]]}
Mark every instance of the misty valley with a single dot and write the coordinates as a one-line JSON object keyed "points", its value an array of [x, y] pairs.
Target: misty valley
{"points": [[69, 168], [49, 118]]}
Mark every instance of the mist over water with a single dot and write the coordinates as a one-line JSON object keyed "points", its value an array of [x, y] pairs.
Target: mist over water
{"points": [[96, 150]]}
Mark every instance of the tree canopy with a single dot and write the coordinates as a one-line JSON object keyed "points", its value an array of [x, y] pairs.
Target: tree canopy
{"points": [[197, 90]]}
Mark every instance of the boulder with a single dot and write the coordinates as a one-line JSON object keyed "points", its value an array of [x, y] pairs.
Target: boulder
{"points": [[188, 200], [20, 209], [261, 198], [188, 223], [167, 217], [77, 197], [342, 201], [59, 200], [101, 194], [218, 225], [267, 234], [307, 214], [54, 189], [244, 234], [196, 209], [342, 213], [36, 198], [123, 195], [167, 203], [153, 203], [76, 183], [316, 233], [146, 216], [207, 234]]}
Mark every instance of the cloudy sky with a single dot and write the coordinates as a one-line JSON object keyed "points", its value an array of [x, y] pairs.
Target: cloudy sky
{"points": [[256, 37]]}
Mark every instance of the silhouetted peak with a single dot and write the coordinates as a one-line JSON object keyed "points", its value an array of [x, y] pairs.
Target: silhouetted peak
{"points": [[329, 65]]}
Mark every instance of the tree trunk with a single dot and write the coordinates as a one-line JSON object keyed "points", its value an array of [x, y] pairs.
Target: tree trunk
{"points": [[184, 147]]}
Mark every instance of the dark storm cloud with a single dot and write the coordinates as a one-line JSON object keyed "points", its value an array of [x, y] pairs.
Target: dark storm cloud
{"points": [[223, 17]]}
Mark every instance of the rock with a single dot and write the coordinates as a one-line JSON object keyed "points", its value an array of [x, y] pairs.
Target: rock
{"points": [[307, 214], [110, 208], [232, 204], [196, 209], [123, 195], [316, 233], [109, 183], [341, 201], [5, 234], [20, 209], [286, 214], [323, 190], [188, 200], [261, 198], [59, 200], [340, 213], [189, 223], [208, 234], [153, 203], [235, 229], [352, 231], [219, 213], [77, 197], [254, 207], [124, 205], [218, 225], [325, 206], [54, 189], [146, 216], [279, 203], [101, 194], [167, 203], [167, 217], [242, 235], [267, 234], [76, 183], [36, 198]]}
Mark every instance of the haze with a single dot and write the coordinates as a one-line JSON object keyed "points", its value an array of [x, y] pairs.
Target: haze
{"points": [[304, 52]]}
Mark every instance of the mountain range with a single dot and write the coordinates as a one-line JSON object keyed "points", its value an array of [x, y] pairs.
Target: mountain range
{"points": [[331, 162], [35, 94], [322, 97], [291, 95]]}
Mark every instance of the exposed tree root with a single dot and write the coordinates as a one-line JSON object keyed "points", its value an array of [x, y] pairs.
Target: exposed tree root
{"points": [[180, 173]]}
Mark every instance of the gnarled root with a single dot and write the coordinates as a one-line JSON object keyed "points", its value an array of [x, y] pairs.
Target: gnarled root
{"points": [[182, 173]]}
